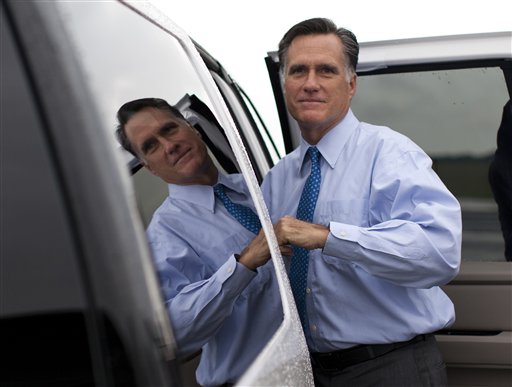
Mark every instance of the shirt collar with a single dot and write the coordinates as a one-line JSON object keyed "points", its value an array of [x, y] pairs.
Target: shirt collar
{"points": [[202, 195], [234, 182], [333, 142]]}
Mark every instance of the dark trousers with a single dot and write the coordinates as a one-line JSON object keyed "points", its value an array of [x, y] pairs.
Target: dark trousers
{"points": [[416, 364]]}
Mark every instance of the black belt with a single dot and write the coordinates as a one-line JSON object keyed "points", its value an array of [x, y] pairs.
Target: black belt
{"points": [[339, 360]]}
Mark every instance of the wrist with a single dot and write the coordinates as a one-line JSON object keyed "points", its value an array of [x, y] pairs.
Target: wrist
{"points": [[323, 234], [242, 259]]}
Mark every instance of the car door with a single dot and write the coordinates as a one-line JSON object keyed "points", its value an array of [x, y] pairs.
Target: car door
{"points": [[83, 60], [79, 304], [448, 95]]}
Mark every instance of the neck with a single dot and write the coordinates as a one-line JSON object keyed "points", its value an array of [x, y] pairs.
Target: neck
{"points": [[211, 175], [314, 135], [313, 132], [214, 177]]}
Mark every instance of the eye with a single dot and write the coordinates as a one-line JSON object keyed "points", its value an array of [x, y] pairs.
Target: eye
{"points": [[328, 70], [297, 70], [168, 128], [148, 146]]}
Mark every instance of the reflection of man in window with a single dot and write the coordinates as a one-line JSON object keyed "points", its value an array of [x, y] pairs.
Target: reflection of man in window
{"points": [[500, 177], [217, 300]]}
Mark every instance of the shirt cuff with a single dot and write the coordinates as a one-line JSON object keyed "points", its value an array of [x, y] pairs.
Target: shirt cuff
{"points": [[235, 276], [342, 240]]}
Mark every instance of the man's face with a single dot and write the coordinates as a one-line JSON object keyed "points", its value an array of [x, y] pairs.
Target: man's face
{"points": [[317, 91], [169, 147]]}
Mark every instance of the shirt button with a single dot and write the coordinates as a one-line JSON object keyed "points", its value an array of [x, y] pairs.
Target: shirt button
{"points": [[230, 270], [313, 327], [342, 234], [308, 290]]}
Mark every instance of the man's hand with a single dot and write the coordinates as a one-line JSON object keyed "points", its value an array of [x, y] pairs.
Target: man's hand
{"points": [[291, 231], [257, 252]]}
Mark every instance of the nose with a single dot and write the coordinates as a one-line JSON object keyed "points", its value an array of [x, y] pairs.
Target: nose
{"points": [[168, 145], [311, 81]]}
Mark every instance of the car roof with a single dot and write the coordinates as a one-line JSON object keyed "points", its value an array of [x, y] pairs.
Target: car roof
{"points": [[437, 49], [378, 55]]}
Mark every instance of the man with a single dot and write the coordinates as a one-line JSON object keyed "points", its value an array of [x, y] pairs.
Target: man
{"points": [[377, 235], [217, 300]]}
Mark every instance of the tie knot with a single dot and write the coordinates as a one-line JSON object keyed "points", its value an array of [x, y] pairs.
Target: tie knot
{"points": [[314, 154]]}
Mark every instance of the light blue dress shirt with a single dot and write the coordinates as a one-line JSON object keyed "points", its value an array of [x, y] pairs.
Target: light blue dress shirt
{"points": [[214, 302], [395, 236]]}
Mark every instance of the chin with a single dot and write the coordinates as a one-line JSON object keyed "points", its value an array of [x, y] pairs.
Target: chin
{"points": [[311, 121], [310, 115]]}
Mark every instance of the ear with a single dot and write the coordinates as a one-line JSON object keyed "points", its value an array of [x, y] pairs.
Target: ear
{"points": [[352, 85], [146, 165], [192, 128]]}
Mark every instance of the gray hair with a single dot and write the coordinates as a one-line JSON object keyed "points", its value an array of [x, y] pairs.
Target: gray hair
{"points": [[318, 26]]}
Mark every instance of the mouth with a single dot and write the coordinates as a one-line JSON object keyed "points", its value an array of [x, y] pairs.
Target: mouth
{"points": [[311, 101], [182, 157]]}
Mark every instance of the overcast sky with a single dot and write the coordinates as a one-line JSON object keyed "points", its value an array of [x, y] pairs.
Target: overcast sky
{"points": [[239, 33]]}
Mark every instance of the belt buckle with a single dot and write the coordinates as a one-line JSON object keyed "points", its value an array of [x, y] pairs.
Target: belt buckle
{"points": [[326, 361], [339, 360]]}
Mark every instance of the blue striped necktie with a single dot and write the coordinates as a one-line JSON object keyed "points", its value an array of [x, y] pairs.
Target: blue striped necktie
{"points": [[299, 264], [243, 214]]}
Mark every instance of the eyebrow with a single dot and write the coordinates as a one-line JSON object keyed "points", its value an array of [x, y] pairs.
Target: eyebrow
{"points": [[321, 66], [165, 127], [297, 67], [146, 145], [330, 67]]}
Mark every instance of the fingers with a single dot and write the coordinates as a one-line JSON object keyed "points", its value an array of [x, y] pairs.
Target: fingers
{"points": [[291, 231], [284, 229], [287, 251]]}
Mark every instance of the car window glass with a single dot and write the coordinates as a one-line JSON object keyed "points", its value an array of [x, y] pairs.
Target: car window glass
{"points": [[122, 66], [269, 140], [142, 61], [121, 62], [242, 116], [454, 116]]}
